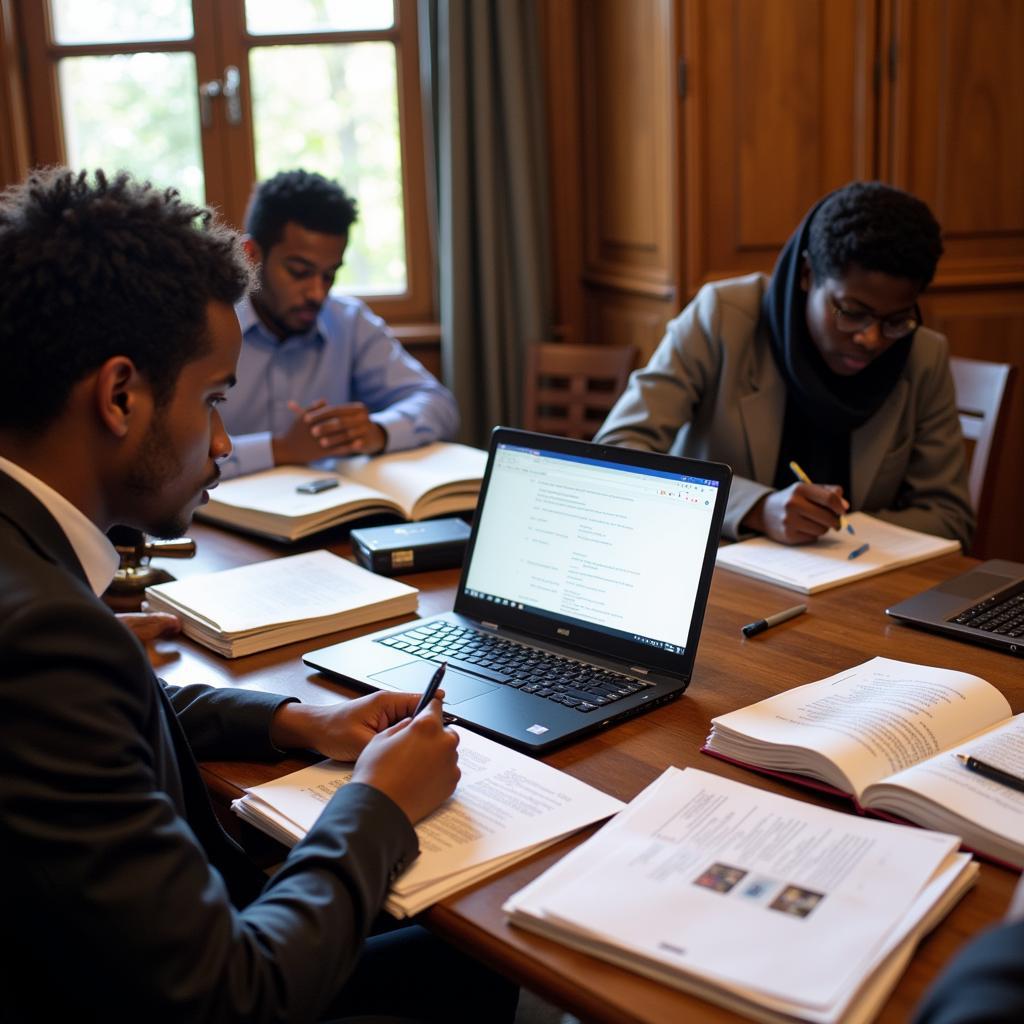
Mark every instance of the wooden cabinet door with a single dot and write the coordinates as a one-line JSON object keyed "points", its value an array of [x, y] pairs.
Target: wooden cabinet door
{"points": [[629, 117], [956, 136], [779, 110]]}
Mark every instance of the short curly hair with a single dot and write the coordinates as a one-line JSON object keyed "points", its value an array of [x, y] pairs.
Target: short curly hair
{"points": [[305, 197], [91, 269], [876, 227]]}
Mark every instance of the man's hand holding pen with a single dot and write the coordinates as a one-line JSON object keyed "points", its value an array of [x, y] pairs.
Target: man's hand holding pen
{"points": [[415, 762], [398, 740]]}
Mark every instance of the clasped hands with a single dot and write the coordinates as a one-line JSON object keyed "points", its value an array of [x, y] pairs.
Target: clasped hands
{"points": [[321, 431], [800, 514]]}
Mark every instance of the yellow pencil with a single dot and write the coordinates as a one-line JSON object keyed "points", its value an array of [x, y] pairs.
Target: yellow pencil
{"points": [[805, 479]]}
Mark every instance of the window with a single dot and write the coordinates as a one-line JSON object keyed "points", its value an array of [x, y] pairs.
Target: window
{"points": [[212, 95]]}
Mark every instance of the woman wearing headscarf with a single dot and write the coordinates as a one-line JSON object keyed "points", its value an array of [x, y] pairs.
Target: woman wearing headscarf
{"points": [[825, 364]]}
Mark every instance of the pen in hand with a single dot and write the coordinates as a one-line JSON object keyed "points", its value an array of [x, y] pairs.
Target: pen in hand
{"points": [[805, 479], [428, 693]]}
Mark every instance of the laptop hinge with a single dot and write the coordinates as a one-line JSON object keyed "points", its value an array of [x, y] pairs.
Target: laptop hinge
{"points": [[489, 625], [638, 670]]}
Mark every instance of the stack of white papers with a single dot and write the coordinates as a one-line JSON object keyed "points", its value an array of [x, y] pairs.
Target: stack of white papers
{"points": [[280, 601], [826, 563], [769, 906], [506, 807]]}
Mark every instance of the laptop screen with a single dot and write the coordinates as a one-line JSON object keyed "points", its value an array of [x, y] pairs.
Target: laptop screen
{"points": [[581, 538]]}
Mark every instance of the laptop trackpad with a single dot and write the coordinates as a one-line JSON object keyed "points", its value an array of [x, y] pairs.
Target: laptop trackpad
{"points": [[974, 584], [413, 678]]}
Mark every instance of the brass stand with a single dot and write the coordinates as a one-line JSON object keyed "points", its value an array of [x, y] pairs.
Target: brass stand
{"points": [[135, 572]]}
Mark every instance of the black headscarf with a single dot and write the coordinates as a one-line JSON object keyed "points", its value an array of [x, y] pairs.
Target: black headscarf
{"points": [[841, 404]]}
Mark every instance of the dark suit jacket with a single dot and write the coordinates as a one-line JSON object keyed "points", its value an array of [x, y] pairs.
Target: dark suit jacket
{"points": [[984, 984], [122, 898]]}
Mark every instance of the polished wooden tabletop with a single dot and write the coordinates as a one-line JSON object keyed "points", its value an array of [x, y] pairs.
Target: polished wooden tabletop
{"points": [[843, 627]]}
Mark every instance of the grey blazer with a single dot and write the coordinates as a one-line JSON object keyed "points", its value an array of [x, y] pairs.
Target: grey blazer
{"points": [[712, 391]]}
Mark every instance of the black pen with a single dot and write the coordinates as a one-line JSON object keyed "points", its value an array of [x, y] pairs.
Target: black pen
{"points": [[972, 764], [753, 628], [428, 693]]}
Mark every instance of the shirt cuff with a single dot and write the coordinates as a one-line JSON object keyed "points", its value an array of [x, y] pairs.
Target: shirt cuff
{"points": [[399, 429], [250, 453], [745, 494]]}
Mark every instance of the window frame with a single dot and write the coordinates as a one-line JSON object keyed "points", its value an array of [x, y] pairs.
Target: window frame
{"points": [[220, 39]]}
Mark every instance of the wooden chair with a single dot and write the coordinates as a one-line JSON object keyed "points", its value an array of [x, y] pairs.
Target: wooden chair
{"points": [[981, 392], [569, 389]]}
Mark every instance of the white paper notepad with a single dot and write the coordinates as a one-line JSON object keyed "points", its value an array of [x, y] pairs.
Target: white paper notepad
{"points": [[809, 568]]}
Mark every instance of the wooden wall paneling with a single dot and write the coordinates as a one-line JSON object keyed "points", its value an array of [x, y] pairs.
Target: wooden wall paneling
{"points": [[14, 145], [628, 109], [630, 174], [559, 22], [990, 325], [781, 111], [958, 130], [616, 317]]}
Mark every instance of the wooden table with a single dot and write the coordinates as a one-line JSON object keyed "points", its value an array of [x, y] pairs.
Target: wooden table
{"points": [[843, 627]]}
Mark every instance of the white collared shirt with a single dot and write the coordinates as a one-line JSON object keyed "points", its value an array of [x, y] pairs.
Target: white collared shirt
{"points": [[90, 544]]}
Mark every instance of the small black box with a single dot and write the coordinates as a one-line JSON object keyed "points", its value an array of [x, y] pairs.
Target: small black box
{"points": [[411, 547]]}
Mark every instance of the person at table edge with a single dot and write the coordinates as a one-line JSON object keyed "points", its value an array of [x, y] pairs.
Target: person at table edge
{"points": [[984, 982], [320, 375], [126, 900], [825, 363]]}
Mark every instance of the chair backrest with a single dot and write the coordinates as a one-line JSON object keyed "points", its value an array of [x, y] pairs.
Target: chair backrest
{"points": [[981, 392], [569, 389]]}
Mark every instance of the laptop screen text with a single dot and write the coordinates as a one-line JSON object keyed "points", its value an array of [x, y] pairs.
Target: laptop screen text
{"points": [[616, 548]]}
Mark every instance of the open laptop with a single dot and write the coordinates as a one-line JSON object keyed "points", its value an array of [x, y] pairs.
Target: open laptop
{"points": [[984, 606], [581, 599]]}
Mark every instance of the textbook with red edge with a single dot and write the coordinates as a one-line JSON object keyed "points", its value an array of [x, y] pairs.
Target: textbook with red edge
{"points": [[887, 734]]}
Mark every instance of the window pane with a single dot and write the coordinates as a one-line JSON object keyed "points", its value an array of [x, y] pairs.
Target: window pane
{"points": [[134, 111], [114, 21], [264, 17], [334, 109]]}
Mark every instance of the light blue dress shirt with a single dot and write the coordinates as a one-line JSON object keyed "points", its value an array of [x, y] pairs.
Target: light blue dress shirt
{"points": [[349, 355]]}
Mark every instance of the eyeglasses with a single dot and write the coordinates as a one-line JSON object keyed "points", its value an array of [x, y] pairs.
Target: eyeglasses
{"points": [[892, 327]]}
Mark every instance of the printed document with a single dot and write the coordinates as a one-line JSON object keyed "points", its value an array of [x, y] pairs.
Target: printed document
{"points": [[760, 898], [506, 806]]}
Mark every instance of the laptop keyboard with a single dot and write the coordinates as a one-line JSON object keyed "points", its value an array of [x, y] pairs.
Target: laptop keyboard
{"points": [[1001, 615], [575, 684]]}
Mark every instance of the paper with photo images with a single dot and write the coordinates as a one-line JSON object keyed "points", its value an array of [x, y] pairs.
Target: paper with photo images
{"points": [[741, 887]]}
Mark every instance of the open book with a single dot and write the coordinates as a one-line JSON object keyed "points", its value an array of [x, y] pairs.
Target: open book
{"points": [[280, 601], [886, 733], [768, 906], [436, 480], [506, 807], [809, 568]]}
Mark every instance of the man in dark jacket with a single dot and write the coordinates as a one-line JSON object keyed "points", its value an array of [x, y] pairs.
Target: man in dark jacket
{"points": [[124, 899]]}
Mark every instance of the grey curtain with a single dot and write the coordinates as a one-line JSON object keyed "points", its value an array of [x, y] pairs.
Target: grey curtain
{"points": [[482, 88]]}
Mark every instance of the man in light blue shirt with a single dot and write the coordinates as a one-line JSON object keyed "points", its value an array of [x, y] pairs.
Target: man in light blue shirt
{"points": [[320, 376]]}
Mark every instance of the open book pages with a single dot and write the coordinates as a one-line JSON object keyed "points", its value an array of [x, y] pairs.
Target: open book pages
{"points": [[280, 601], [829, 906], [886, 732], [827, 563], [438, 479], [506, 807]]}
